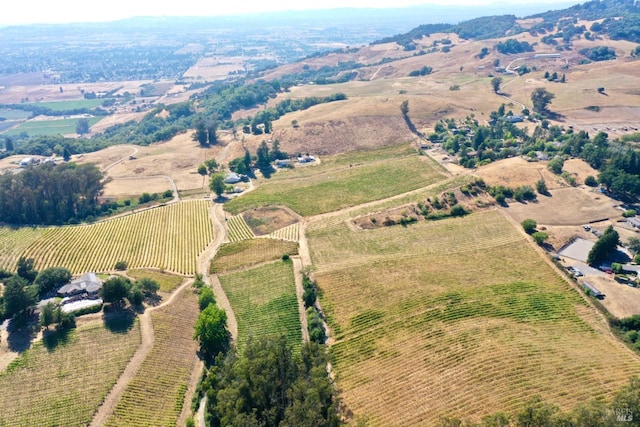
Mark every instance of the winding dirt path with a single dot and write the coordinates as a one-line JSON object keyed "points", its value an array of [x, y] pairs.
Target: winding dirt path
{"points": [[147, 339]]}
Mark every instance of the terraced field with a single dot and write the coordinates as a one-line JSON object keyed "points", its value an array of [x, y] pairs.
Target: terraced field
{"points": [[155, 396], [264, 302], [169, 238], [245, 253], [63, 386], [343, 181], [459, 317]]}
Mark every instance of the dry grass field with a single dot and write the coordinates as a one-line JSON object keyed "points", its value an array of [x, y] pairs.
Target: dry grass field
{"points": [[63, 385], [459, 317], [516, 171], [566, 206], [178, 158]]}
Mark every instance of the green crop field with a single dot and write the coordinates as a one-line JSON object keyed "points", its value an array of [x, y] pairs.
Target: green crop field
{"points": [[169, 237], [50, 127], [155, 396], [11, 114], [13, 242], [264, 302], [167, 282], [63, 386], [69, 105], [245, 253], [458, 317], [343, 181]]}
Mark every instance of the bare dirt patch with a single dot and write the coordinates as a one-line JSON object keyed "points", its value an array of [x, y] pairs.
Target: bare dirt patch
{"points": [[266, 220], [566, 206]]}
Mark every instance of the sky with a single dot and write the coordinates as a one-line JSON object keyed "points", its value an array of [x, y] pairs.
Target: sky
{"points": [[65, 11]]}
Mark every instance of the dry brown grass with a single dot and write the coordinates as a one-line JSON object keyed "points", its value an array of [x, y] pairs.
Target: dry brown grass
{"points": [[212, 68], [516, 171], [566, 206]]}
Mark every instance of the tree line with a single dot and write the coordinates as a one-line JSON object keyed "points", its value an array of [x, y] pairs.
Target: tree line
{"points": [[51, 194]]}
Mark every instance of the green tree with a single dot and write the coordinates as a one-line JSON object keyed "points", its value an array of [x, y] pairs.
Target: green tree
{"points": [[115, 290], [541, 98], [148, 285], [135, 295], [404, 107], [591, 181], [604, 247], [82, 126], [212, 132], [205, 298], [202, 170], [264, 160], [555, 165], [540, 237], [211, 331], [633, 244], [66, 154], [541, 187], [211, 165], [19, 297], [495, 84], [529, 225], [26, 269], [52, 278], [47, 314], [200, 135], [217, 184]]}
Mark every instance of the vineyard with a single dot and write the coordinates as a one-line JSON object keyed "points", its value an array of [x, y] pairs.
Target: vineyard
{"points": [[64, 386], [155, 396], [289, 233], [238, 229], [264, 302], [458, 317], [245, 253], [13, 242], [343, 181], [169, 238]]}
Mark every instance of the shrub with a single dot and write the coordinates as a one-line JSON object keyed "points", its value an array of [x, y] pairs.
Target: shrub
{"points": [[458, 210], [529, 225], [121, 265], [539, 237], [591, 181], [630, 213]]}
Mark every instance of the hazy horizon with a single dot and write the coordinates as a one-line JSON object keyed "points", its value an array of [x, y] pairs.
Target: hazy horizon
{"points": [[72, 11]]}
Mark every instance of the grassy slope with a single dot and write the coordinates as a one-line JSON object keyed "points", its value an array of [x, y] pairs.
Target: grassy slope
{"points": [[245, 253], [457, 317], [343, 181], [65, 385], [264, 302]]}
